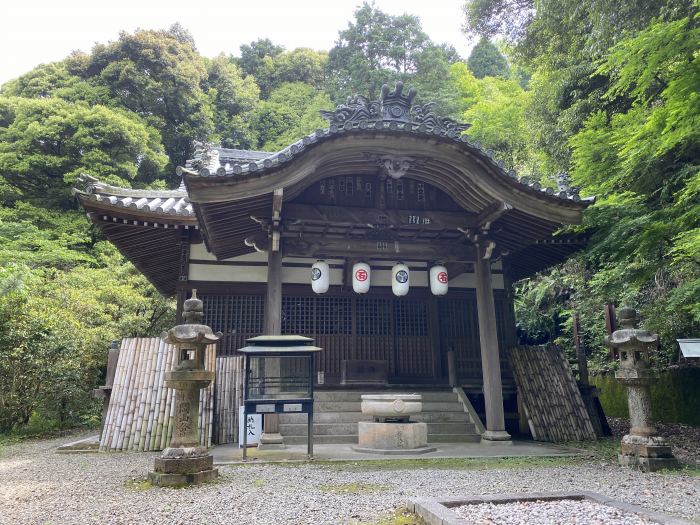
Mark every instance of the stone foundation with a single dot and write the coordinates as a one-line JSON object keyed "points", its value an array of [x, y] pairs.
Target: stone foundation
{"points": [[170, 472], [392, 438]]}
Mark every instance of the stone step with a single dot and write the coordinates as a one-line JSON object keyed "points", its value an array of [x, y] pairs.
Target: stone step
{"points": [[350, 395], [351, 439], [354, 406], [326, 417], [354, 417], [322, 440], [351, 429], [454, 438]]}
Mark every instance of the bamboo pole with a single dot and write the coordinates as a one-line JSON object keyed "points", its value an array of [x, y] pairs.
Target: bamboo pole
{"points": [[154, 405], [170, 404], [160, 415], [217, 401], [141, 393], [143, 428], [210, 397], [117, 396], [121, 414], [134, 395], [113, 402]]}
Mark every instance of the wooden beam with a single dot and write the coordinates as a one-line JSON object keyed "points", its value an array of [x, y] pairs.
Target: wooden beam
{"points": [[373, 217], [363, 249]]}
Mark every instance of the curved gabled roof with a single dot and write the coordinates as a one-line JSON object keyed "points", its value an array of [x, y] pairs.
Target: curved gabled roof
{"points": [[225, 192], [394, 113]]}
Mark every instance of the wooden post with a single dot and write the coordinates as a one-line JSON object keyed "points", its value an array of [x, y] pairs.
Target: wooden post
{"points": [[271, 437], [580, 352], [610, 325], [490, 357]]}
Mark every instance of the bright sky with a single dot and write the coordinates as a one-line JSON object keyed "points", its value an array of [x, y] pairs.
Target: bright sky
{"points": [[37, 31]]}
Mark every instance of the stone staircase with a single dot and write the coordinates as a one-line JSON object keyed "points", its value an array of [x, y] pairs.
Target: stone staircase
{"points": [[336, 414]]}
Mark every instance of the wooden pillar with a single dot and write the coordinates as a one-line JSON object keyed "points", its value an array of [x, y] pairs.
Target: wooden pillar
{"points": [[490, 357], [272, 325], [273, 298]]}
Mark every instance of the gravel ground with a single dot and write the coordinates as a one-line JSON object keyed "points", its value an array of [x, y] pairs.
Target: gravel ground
{"points": [[38, 486], [565, 512], [684, 439]]}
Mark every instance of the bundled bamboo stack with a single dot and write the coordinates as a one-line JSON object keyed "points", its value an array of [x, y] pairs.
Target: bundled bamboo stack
{"points": [[552, 401], [141, 410], [228, 397]]}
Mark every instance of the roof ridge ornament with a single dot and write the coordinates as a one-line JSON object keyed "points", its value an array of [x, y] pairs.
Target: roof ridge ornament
{"points": [[394, 106]]}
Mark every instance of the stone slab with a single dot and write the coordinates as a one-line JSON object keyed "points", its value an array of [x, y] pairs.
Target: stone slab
{"points": [[83, 446], [439, 511], [393, 451], [231, 454], [176, 480]]}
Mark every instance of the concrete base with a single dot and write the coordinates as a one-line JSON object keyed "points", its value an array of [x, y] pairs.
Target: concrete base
{"points": [[271, 441], [496, 437], [394, 451], [439, 511], [404, 437]]}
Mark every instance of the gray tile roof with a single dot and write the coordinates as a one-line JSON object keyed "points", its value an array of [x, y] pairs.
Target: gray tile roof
{"points": [[157, 202], [258, 162]]}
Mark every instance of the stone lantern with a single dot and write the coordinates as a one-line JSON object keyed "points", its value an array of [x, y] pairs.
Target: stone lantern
{"points": [[642, 447], [185, 461]]}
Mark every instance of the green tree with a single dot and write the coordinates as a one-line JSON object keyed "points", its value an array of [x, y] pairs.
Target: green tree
{"points": [[253, 55], [45, 144], [486, 60], [55, 80], [158, 76], [300, 65], [54, 330], [375, 49], [496, 110], [233, 99], [291, 112]]}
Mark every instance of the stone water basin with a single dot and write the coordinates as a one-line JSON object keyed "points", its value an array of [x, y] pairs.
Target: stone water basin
{"points": [[393, 407]]}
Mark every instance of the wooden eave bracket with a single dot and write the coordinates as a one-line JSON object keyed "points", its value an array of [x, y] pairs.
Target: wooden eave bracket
{"points": [[492, 213]]}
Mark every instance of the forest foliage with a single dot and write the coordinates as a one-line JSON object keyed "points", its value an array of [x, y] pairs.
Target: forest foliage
{"points": [[603, 90]]}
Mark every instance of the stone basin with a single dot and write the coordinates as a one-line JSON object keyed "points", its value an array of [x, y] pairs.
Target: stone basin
{"points": [[391, 406]]}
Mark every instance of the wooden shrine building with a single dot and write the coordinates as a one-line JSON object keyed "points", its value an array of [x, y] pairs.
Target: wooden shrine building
{"points": [[387, 193]]}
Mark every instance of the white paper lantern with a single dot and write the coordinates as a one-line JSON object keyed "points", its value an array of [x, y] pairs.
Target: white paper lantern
{"points": [[361, 274], [438, 280], [399, 279], [320, 277]]}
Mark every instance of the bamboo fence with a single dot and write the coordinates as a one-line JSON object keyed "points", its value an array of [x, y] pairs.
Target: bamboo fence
{"points": [[228, 397], [551, 398], [141, 410]]}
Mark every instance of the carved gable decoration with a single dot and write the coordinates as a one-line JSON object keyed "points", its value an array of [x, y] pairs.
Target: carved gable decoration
{"points": [[393, 106]]}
